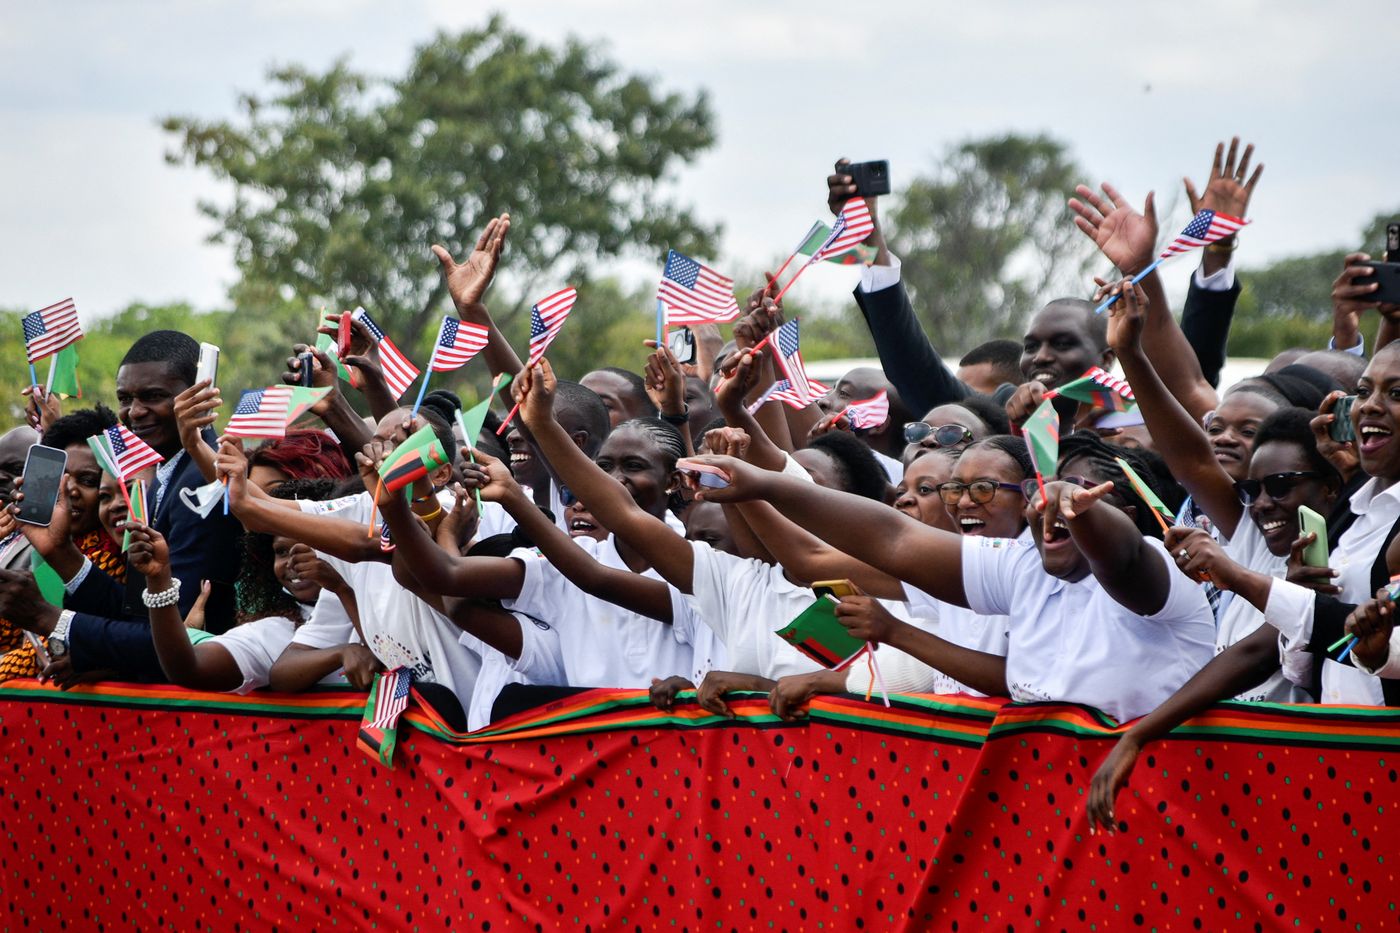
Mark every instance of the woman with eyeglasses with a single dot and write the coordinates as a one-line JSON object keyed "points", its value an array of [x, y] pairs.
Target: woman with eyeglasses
{"points": [[953, 426], [1248, 478]]}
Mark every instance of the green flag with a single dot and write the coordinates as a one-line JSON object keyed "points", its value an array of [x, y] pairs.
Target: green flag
{"points": [[1144, 490], [818, 634], [301, 399], [412, 460], [1042, 433], [50, 586], [326, 344], [817, 235], [63, 373]]}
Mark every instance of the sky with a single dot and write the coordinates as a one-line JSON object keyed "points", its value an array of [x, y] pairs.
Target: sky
{"points": [[1140, 93]]}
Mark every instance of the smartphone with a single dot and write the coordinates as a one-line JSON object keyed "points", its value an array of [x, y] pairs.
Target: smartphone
{"points": [[1342, 430], [1315, 554], [208, 364], [1392, 242], [305, 369], [835, 588], [681, 343], [711, 477], [342, 337], [1387, 275], [40, 654], [870, 178], [43, 470]]}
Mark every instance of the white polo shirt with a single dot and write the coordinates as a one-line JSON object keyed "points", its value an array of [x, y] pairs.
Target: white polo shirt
{"points": [[1239, 618], [540, 663], [1072, 643]]}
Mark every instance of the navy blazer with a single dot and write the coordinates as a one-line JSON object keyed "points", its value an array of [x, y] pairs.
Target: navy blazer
{"points": [[110, 628]]}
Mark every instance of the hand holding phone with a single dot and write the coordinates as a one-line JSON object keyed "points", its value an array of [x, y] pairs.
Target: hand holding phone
{"points": [[870, 178], [710, 477], [1341, 430], [343, 335], [305, 369], [681, 343], [43, 474], [1315, 554], [208, 364]]}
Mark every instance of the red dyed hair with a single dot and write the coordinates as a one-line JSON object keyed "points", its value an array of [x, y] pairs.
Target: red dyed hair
{"points": [[304, 454]]}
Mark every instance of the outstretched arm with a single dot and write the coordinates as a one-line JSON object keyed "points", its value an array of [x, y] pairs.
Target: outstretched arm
{"points": [[809, 558], [887, 540], [1119, 557], [1178, 436], [866, 619], [608, 500]]}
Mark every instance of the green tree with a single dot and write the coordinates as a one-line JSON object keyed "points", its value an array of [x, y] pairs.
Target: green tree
{"points": [[341, 181], [987, 237]]}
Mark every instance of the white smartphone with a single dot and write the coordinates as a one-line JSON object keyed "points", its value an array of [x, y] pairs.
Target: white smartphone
{"points": [[39, 652], [208, 363]]}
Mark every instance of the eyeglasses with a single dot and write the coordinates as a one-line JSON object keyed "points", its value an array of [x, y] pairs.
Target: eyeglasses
{"points": [[980, 491], [1030, 486], [1277, 485], [945, 435]]}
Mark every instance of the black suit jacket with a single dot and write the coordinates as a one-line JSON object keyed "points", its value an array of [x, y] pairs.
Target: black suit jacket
{"points": [[910, 362], [1205, 320], [110, 627]]}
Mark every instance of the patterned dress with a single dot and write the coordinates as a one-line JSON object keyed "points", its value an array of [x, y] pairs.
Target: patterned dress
{"points": [[19, 659]]}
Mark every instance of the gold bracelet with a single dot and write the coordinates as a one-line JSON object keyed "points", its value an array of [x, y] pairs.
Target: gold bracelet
{"points": [[1224, 245], [431, 515]]}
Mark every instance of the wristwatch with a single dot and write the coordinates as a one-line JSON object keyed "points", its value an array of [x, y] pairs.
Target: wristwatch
{"points": [[677, 420], [58, 638]]}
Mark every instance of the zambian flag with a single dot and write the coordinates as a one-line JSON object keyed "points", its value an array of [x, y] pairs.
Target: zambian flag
{"points": [[1143, 490], [412, 460], [1042, 433], [816, 236], [1099, 389]]}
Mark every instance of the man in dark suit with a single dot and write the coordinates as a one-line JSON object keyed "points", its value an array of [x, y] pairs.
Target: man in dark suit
{"points": [[103, 624]]}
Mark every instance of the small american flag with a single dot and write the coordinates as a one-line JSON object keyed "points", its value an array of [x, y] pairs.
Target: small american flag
{"points": [[869, 413], [129, 454], [694, 293], [261, 413], [546, 318], [782, 391], [458, 341], [399, 371], [852, 226], [50, 329], [392, 697], [1206, 227], [790, 359]]}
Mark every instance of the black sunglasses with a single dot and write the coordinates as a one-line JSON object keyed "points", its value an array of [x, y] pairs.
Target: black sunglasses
{"points": [[1277, 485], [980, 491], [945, 435]]}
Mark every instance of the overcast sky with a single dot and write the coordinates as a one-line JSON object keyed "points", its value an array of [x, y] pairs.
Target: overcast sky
{"points": [[1140, 93]]}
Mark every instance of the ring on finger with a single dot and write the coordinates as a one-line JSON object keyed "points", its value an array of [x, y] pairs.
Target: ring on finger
{"points": [[1183, 554]]}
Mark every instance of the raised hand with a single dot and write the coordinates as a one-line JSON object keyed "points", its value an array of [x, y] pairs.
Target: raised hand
{"points": [[840, 188], [1200, 556], [498, 483], [1318, 579], [46, 539], [460, 523], [728, 442], [1126, 317], [196, 408], [304, 564], [195, 617], [1127, 238], [148, 555], [665, 382], [1341, 454], [750, 329], [1024, 401], [742, 373], [467, 281], [866, 619], [1371, 623], [534, 392], [42, 408], [1226, 188], [368, 461], [1067, 501], [231, 466], [746, 482]]}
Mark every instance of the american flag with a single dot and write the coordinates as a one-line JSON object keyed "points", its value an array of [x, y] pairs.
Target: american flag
{"points": [[458, 341], [546, 318], [1206, 227], [852, 226], [261, 413], [399, 371], [782, 391], [790, 359], [128, 453], [50, 329], [869, 413], [391, 698], [694, 293]]}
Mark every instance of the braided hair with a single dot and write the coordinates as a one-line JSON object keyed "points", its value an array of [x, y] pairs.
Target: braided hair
{"points": [[257, 592], [1088, 447]]}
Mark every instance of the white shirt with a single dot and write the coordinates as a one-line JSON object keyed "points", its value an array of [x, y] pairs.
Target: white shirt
{"points": [[255, 647], [706, 650], [1239, 617], [603, 644], [745, 602], [892, 467], [1073, 643], [963, 627], [401, 629], [540, 662]]}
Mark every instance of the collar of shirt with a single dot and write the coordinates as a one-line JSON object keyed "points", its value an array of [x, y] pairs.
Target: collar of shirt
{"points": [[1365, 498], [163, 474]]}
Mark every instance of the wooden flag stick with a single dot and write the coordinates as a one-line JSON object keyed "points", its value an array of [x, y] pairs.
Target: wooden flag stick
{"points": [[374, 506]]}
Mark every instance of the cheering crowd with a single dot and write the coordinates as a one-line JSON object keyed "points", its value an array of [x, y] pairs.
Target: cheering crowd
{"points": [[1135, 546]]}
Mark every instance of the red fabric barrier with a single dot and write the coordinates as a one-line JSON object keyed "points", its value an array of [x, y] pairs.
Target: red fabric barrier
{"points": [[145, 808]]}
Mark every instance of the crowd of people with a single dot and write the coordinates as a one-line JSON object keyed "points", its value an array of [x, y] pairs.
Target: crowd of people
{"points": [[654, 529]]}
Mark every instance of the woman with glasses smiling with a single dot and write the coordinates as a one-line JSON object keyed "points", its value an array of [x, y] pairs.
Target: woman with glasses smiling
{"points": [[954, 426], [1254, 517]]}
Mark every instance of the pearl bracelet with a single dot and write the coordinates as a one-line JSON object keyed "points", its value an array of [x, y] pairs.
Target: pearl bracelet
{"points": [[168, 597]]}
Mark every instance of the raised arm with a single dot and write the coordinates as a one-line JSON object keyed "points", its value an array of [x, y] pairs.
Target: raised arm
{"points": [[467, 283], [809, 558], [1178, 436], [608, 500], [870, 531], [729, 400]]}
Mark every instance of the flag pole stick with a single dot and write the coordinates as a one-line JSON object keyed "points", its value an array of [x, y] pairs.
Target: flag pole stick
{"points": [[48, 385], [427, 374], [374, 506], [660, 322], [875, 668], [1136, 279], [33, 376], [779, 274], [797, 275], [506, 423]]}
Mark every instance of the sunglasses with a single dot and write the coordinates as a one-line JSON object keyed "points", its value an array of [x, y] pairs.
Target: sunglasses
{"points": [[1030, 487], [1277, 485], [980, 491], [945, 435], [566, 497]]}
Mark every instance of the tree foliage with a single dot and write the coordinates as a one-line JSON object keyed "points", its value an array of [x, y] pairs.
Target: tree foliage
{"points": [[341, 181], [986, 238]]}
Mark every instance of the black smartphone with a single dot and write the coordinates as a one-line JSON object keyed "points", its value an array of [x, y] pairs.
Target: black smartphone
{"points": [[681, 343], [1341, 430], [1392, 241], [870, 178], [1387, 276], [43, 471], [306, 370]]}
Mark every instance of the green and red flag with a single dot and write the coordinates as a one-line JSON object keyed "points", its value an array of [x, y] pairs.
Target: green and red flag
{"points": [[326, 344], [1042, 433], [1145, 492], [268, 412], [1098, 388], [136, 509], [412, 460], [819, 635], [63, 373]]}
